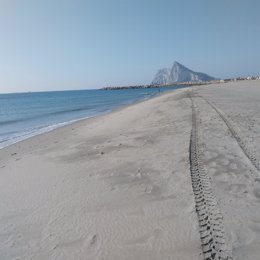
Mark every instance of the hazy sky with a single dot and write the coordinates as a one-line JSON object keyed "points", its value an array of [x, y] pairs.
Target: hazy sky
{"points": [[73, 44]]}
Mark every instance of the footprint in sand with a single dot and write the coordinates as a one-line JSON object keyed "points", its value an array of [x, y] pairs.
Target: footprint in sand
{"points": [[146, 238], [257, 180], [246, 236], [238, 188], [233, 166], [257, 192], [88, 244]]}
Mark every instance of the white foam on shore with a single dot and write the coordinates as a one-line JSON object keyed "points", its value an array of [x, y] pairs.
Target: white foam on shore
{"points": [[38, 131]]}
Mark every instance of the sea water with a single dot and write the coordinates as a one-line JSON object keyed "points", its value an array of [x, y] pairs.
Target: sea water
{"points": [[23, 115]]}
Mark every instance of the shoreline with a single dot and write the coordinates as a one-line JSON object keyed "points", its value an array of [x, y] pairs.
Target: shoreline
{"points": [[68, 123]]}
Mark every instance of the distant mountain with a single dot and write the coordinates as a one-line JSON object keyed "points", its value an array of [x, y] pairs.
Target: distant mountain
{"points": [[179, 73]]}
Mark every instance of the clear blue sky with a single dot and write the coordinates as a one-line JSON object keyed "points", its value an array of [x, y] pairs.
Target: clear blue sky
{"points": [[72, 44]]}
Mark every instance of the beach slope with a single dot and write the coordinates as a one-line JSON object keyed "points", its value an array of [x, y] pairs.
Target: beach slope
{"points": [[113, 187], [173, 177]]}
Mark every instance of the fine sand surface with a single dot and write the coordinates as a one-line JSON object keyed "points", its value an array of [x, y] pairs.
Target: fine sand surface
{"points": [[230, 115], [135, 184]]}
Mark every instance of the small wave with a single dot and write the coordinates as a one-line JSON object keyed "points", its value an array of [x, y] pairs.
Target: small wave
{"points": [[14, 121], [37, 131]]}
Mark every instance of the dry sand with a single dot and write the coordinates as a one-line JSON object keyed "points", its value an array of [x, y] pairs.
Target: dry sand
{"points": [[230, 115], [119, 186]]}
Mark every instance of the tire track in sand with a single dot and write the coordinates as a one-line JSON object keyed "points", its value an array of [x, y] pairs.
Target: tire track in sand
{"points": [[213, 239], [250, 155]]}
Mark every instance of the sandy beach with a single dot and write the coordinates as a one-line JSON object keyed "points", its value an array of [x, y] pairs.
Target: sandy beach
{"points": [[173, 177]]}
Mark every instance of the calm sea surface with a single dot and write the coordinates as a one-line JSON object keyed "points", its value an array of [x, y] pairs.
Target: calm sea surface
{"points": [[23, 115]]}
